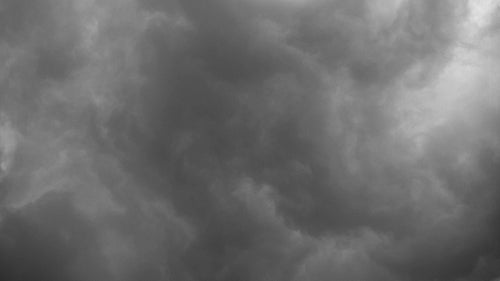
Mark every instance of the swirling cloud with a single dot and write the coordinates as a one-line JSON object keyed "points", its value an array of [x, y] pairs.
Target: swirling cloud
{"points": [[249, 140]]}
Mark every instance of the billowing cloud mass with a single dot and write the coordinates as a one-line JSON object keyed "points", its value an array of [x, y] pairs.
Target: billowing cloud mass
{"points": [[252, 140]]}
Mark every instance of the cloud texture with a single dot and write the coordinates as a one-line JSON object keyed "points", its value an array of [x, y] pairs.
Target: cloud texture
{"points": [[249, 140]]}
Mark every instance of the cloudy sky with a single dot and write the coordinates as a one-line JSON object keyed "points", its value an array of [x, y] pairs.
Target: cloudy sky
{"points": [[249, 140]]}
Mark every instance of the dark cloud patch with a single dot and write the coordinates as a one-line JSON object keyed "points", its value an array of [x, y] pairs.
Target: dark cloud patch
{"points": [[40, 244], [247, 140], [18, 17], [343, 35], [293, 149]]}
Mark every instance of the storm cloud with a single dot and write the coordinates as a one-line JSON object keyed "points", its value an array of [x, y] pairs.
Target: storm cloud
{"points": [[249, 140]]}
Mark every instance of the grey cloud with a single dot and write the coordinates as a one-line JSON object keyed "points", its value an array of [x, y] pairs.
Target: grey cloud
{"points": [[244, 140]]}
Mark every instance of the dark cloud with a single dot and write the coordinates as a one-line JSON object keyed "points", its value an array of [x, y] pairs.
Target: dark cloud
{"points": [[248, 140]]}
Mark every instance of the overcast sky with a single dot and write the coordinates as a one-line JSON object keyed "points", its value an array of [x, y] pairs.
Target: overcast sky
{"points": [[249, 140]]}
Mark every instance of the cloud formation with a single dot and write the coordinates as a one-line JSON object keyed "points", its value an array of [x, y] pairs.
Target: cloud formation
{"points": [[249, 140]]}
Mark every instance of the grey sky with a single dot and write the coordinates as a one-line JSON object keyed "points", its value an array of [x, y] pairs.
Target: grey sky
{"points": [[249, 140]]}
